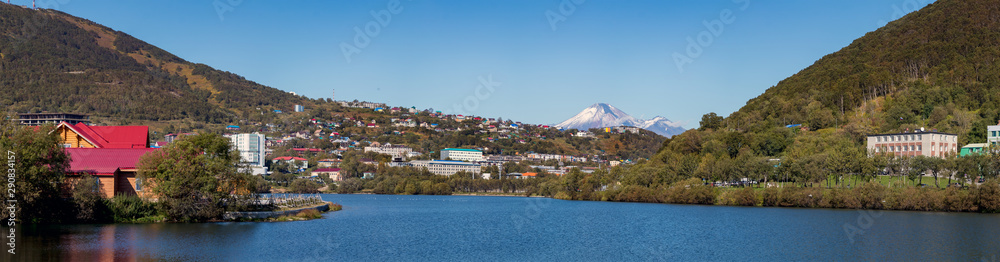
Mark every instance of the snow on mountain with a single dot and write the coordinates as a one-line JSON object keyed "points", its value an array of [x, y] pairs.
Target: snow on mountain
{"points": [[663, 126], [604, 115]]}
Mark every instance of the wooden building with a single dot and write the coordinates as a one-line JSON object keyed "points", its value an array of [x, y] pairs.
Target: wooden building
{"points": [[82, 135], [114, 168]]}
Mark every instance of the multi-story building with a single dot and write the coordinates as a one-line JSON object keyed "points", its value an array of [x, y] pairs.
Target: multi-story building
{"points": [[328, 163], [461, 154], [389, 149], [628, 129], [38, 119], [368, 105], [993, 135], [252, 148], [933, 144], [447, 168]]}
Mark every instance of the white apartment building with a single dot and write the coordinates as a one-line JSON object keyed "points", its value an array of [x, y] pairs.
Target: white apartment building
{"points": [[252, 148], [460, 154], [447, 168], [993, 135], [934, 144], [394, 151]]}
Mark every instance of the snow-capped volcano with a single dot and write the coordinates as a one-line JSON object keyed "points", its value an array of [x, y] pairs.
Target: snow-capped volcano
{"points": [[604, 115]]}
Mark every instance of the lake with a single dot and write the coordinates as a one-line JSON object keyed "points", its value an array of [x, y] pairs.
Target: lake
{"points": [[450, 228]]}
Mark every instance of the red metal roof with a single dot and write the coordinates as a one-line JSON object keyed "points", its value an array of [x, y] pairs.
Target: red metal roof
{"points": [[327, 170], [112, 136], [104, 161], [286, 158]]}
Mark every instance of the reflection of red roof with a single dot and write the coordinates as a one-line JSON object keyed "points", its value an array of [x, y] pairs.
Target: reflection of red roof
{"points": [[320, 170], [112, 136], [104, 161], [287, 158]]}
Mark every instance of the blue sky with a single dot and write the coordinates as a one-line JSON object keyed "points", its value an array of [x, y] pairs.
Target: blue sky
{"points": [[432, 54]]}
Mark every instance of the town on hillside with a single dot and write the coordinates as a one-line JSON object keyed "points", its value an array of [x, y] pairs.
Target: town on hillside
{"points": [[355, 140]]}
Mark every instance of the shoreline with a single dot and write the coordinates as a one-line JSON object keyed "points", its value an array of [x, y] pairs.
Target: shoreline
{"points": [[758, 205]]}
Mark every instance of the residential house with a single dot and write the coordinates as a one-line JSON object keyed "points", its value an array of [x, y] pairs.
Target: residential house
{"points": [[332, 173], [973, 149], [328, 163], [81, 135], [114, 168], [293, 162]]}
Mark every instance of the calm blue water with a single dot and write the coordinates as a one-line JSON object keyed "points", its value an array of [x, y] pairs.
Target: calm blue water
{"points": [[464, 228]]}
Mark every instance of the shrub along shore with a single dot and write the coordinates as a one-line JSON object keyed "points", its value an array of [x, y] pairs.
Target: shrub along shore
{"points": [[983, 198]]}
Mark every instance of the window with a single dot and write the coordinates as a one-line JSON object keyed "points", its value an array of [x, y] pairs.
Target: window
{"points": [[138, 184]]}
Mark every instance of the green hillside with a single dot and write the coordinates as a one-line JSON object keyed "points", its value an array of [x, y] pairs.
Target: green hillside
{"points": [[52, 61], [935, 68]]}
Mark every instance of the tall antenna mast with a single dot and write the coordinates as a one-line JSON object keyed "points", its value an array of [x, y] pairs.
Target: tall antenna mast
{"points": [[33, 4]]}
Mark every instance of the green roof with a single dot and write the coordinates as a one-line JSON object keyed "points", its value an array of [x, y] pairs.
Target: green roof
{"points": [[460, 149]]}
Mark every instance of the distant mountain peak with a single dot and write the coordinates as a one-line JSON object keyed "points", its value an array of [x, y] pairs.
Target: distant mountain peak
{"points": [[601, 115]]}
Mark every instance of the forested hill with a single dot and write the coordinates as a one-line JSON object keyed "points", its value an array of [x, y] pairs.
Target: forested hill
{"points": [[52, 61], [936, 68]]}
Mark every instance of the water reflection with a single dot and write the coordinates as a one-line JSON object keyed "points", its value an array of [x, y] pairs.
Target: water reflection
{"points": [[456, 228], [126, 242]]}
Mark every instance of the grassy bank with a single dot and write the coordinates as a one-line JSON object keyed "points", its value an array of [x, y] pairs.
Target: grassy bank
{"points": [[308, 214], [983, 198]]}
